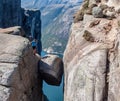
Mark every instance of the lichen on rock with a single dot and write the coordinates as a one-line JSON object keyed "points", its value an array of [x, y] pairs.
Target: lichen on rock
{"points": [[18, 70], [91, 58]]}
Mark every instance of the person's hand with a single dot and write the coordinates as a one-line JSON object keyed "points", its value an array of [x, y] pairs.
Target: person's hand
{"points": [[34, 51]]}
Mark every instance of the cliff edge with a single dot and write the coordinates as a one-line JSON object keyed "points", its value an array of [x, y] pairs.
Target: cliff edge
{"points": [[19, 80], [92, 55]]}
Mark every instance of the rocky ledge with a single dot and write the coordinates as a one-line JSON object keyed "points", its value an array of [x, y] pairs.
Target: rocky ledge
{"points": [[19, 80]]}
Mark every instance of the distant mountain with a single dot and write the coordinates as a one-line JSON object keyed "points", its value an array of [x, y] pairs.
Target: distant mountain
{"points": [[57, 17], [40, 3]]}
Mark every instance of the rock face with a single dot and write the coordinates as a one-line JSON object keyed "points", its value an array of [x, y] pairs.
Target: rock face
{"points": [[19, 80], [17, 30], [91, 59], [31, 24], [1, 13], [115, 3], [10, 13]]}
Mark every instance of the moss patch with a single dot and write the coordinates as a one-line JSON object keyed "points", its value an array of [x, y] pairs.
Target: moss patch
{"points": [[88, 36]]}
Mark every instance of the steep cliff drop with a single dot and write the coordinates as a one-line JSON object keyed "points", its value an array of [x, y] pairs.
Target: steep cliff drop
{"points": [[92, 55], [19, 80], [10, 13], [31, 24]]}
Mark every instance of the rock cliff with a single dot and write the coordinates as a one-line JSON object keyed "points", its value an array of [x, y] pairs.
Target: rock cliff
{"points": [[10, 13], [31, 24], [19, 80], [91, 58]]}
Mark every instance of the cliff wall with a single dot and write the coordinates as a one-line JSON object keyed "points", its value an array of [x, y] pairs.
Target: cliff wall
{"points": [[91, 58], [1, 13], [10, 13], [19, 79], [31, 24]]}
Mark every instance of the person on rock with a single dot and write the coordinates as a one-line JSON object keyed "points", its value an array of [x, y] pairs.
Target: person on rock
{"points": [[34, 46]]}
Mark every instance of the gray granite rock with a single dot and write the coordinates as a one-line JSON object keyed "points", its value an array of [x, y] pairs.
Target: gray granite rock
{"points": [[97, 12], [51, 69], [17, 30], [92, 67], [114, 74], [19, 79]]}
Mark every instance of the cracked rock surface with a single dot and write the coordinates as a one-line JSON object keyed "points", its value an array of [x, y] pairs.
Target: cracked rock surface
{"points": [[91, 58], [18, 70]]}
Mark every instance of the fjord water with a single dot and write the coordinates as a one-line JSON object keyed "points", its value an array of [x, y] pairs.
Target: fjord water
{"points": [[53, 93]]}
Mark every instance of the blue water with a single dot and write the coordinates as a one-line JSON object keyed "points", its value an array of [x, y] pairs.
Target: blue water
{"points": [[53, 93]]}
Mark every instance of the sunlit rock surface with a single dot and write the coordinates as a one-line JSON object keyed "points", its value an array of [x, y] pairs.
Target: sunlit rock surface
{"points": [[91, 59], [19, 79]]}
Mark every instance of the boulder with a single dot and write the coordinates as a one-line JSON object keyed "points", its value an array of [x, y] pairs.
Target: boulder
{"points": [[51, 69], [97, 12]]}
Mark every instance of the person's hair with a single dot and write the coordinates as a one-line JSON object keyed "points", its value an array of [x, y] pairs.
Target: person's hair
{"points": [[34, 47]]}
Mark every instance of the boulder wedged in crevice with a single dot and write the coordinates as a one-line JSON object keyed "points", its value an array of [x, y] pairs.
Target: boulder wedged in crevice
{"points": [[51, 69]]}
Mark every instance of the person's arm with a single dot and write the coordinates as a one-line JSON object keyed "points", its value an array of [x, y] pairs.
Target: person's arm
{"points": [[38, 56]]}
